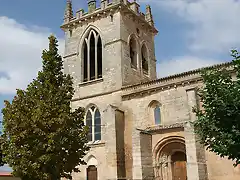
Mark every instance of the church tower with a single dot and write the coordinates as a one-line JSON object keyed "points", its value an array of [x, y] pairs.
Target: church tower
{"points": [[109, 46]]}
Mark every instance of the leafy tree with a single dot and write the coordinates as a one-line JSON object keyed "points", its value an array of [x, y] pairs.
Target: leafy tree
{"points": [[218, 122], [43, 138], [1, 154]]}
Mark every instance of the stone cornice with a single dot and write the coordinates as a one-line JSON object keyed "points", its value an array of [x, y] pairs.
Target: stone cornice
{"points": [[86, 18], [95, 95], [69, 55], [100, 13], [164, 127], [175, 76], [114, 41], [152, 90], [179, 80], [105, 45]]}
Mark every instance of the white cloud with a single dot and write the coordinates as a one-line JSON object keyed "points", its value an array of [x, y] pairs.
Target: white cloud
{"points": [[215, 23], [20, 53], [183, 64], [213, 30]]}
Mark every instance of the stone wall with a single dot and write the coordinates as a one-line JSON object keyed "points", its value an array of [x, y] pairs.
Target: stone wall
{"points": [[146, 156], [105, 150], [130, 27], [111, 64], [174, 108], [174, 94], [221, 168]]}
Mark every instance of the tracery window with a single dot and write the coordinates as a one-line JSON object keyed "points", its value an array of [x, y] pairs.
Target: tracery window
{"points": [[144, 59], [133, 52], [92, 56], [93, 121]]}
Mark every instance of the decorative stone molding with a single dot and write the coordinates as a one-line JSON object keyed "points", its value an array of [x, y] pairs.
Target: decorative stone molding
{"points": [[162, 153], [91, 82], [177, 76], [95, 95], [163, 160], [114, 41], [96, 144], [174, 81], [149, 91], [165, 127], [86, 18], [69, 55]]}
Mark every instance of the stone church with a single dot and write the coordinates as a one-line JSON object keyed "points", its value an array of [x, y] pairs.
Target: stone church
{"points": [[139, 125]]}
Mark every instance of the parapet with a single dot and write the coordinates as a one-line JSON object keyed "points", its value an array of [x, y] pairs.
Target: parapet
{"points": [[104, 6]]}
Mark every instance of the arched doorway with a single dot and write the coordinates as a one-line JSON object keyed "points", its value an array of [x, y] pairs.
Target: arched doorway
{"points": [[170, 159], [92, 172], [179, 171]]}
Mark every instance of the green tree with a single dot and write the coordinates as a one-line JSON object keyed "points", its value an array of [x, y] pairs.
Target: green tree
{"points": [[43, 138], [1, 154], [218, 122]]}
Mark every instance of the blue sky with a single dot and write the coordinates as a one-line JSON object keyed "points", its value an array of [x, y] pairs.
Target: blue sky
{"points": [[192, 34]]}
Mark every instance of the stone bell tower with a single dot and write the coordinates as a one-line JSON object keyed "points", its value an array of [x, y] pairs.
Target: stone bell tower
{"points": [[109, 46]]}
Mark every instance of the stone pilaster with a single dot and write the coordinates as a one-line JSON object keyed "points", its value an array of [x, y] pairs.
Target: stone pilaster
{"points": [[196, 163], [110, 138], [120, 142], [136, 153], [146, 156]]}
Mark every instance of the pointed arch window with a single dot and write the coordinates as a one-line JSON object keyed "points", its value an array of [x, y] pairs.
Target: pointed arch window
{"points": [[92, 56], [93, 121], [144, 59], [133, 52]]}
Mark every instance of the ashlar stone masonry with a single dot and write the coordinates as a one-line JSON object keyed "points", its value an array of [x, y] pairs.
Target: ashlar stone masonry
{"points": [[139, 125]]}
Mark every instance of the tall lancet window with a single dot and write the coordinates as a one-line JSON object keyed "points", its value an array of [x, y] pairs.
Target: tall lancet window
{"points": [[92, 56], [157, 115], [144, 59], [93, 121], [133, 52]]}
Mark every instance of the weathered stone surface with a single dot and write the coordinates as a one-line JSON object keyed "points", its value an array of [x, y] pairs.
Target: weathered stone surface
{"points": [[131, 92]]}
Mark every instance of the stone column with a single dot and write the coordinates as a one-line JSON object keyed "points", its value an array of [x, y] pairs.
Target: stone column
{"points": [[196, 165]]}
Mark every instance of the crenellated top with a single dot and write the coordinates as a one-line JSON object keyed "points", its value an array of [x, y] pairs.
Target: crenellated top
{"points": [[105, 8]]}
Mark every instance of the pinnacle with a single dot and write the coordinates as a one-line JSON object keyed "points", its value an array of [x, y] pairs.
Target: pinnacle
{"points": [[68, 11]]}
